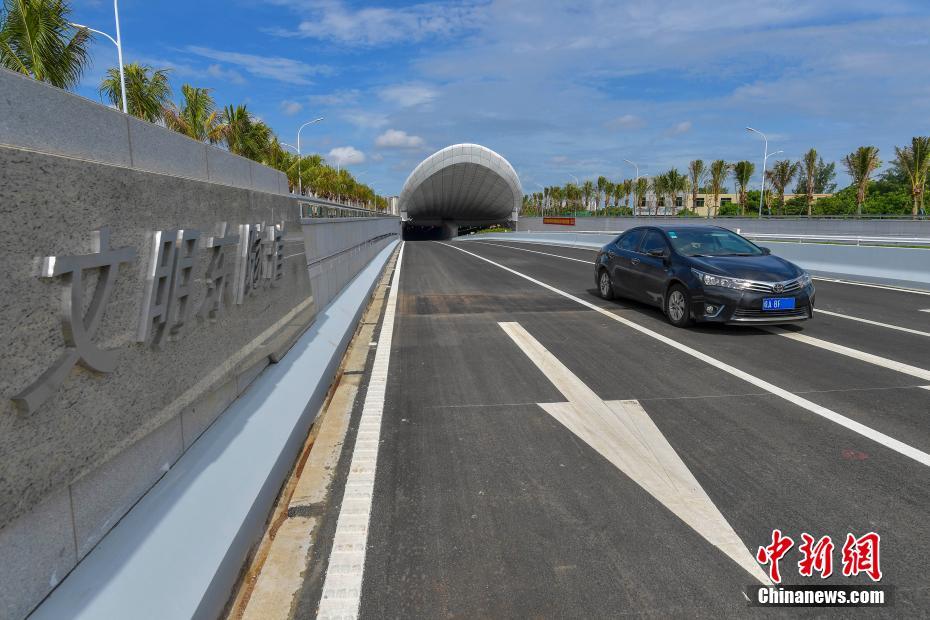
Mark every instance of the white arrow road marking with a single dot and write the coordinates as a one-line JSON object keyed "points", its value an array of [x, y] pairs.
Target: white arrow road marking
{"points": [[623, 433], [871, 322], [862, 356]]}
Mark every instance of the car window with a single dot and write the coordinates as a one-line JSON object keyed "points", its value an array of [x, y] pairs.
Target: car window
{"points": [[630, 240], [654, 240], [712, 243]]}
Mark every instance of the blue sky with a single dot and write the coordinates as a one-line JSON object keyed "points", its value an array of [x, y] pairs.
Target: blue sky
{"points": [[558, 88]]}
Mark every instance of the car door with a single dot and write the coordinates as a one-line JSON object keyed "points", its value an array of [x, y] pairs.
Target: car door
{"points": [[621, 258], [652, 271]]}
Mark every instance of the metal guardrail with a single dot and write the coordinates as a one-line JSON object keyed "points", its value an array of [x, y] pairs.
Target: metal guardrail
{"points": [[326, 209]]}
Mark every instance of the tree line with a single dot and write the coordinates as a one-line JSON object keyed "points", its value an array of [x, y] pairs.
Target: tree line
{"points": [[37, 39], [898, 191]]}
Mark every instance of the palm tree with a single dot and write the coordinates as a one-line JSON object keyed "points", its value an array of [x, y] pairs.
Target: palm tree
{"points": [[780, 176], [659, 186], [197, 118], [147, 90], [627, 189], [914, 160], [608, 193], [742, 173], [860, 164], [243, 134], [809, 175], [38, 40], [587, 189], [675, 183], [641, 186], [601, 187], [719, 170], [697, 173]]}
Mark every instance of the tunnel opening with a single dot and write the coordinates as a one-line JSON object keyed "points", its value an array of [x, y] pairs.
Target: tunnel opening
{"points": [[412, 232]]}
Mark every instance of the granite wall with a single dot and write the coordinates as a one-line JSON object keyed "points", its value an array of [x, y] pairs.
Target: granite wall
{"points": [[147, 280]]}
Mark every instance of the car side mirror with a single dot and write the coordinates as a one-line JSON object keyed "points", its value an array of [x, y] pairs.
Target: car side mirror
{"points": [[766, 251]]}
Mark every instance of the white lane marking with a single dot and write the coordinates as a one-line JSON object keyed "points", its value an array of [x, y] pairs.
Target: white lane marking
{"points": [[623, 433], [342, 586], [871, 322], [926, 310], [926, 387], [862, 356], [848, 423], [900, 289], [500, 245]]}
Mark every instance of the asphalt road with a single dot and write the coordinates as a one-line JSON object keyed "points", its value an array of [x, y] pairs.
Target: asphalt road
{"points": [[488, 504]]}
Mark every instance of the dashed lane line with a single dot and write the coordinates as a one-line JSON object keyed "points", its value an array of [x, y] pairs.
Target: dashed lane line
{"points": [[862, 356], [908, 330], [342, 586], [501, 245], [900, 289], [889, 442]]}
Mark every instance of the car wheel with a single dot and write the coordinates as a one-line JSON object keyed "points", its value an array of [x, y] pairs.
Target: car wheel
{"points": [[604, 286], [677, 306]]}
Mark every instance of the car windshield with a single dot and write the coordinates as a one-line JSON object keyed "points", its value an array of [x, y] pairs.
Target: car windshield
{"points": [[711, 243]]}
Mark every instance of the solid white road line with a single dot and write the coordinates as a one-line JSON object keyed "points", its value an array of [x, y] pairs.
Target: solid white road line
{"points": [[342, 586], [848, 423], [926, 387], [927, 310], [862, 356], [900, 289], [871, 322], [623, 433], [501, 245]]}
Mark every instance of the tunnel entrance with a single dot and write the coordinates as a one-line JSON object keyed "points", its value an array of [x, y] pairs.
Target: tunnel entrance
{"points": [[422, 233]]}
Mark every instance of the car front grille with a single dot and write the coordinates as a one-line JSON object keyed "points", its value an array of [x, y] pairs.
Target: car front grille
{"points": [[746, 313], [769, 287]]}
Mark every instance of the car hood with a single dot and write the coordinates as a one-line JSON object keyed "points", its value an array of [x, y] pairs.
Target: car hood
{"points": [[763, 268]]}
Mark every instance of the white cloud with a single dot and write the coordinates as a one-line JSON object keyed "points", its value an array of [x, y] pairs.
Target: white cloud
{"points": [[627, 121], [290, 108], [397, 139], [337, 98], [271, 67], [680, 128], [227, 75], [346, 156], [366, 120], [408, 95], [373, 26]]}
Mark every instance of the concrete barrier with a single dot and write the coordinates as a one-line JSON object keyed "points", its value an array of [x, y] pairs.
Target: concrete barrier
{"points": [[813, 226], [896, 266], [149, 280]]}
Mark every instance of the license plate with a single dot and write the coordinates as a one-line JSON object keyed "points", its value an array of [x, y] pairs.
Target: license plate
{"points": [[778, 303]]}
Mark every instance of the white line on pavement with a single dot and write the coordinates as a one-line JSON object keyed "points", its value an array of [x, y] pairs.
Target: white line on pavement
{"points": [[927, 310], [900, 289], [501, 245], [623, 433], [871, 322], [342, 586], [862, 356], [848, 423]]}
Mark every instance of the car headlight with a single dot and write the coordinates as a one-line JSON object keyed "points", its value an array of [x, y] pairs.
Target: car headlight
{"points": [[709, 279], [805, 279]]}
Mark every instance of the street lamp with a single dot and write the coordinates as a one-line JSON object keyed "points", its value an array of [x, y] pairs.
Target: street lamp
{"points": [[765, 159], [118, 42], [300, 185]]}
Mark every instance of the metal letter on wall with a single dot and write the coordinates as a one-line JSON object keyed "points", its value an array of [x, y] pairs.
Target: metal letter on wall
{"points": [[181, 279], [248, 261], [218, 272], [158, 273], [77, 327]]}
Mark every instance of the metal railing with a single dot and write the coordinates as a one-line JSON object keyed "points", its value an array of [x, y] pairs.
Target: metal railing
{"points": [[323, 209]]}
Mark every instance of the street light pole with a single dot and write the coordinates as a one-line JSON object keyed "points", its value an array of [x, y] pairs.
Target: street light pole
{"points": [[118, 42], [300, 184], [765, 158]]}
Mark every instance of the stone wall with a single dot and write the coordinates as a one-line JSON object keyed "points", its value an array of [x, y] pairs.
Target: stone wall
{"points": [[106, 384]]}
